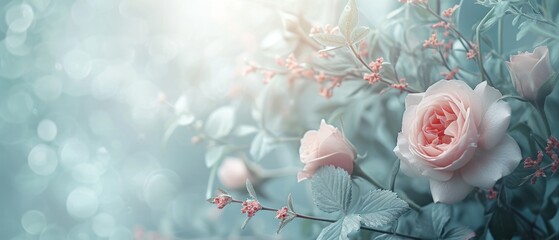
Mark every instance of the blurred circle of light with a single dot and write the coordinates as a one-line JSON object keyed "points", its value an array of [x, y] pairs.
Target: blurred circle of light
{"points": [[33, 222], [103, 225], [42, 160], [53, 233], [121, 233], [29, 183], [85, 173], [77, 64], [82, 202], [19, 17], [18, 106], [47, 130], [73, 152], [160, 188], [107, 83], [163, 49], [100, 123], [15, 39], [81, 231], [48, 88]]}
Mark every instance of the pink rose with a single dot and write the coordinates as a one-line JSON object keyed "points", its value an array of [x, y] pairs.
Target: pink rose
{"points": [[457, 138], [233, 173], [327, 146], [529, 71]]}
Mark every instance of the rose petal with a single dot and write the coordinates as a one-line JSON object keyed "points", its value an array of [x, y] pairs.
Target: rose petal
{"points": [[309, 146], [487, 94], [413, 99], [450, 191], [303, 175], [325, 131], [489, 166], [420, 166], [494, 125], [340, 160]]}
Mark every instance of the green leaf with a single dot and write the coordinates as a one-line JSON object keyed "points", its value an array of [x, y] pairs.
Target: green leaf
{"points": [[502, 224], [245, 223], [214, 154], [348, 19], [459, 233], [244, 130], [387, 72], [331, 189], [330, 40], [220, 122], [440, 213], [261, 145], [340, 229], [290, 203], [359, 34], [380, 207], [211, 182], [250, 190]]}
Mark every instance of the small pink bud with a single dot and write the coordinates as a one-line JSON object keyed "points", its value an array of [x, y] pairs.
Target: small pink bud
{"points": [[250, 207]]}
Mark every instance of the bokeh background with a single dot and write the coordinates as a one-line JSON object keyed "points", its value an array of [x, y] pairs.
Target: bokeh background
{"points": [[95, 96]]}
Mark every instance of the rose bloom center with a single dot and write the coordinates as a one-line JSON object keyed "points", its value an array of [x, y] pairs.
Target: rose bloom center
{"points": [[438, 129]]}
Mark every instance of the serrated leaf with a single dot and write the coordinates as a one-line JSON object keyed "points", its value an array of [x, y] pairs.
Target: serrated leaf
{"points": [[220, 122], [380, 207], [359, 34], [440, 213], [261, 145], [348, 19], [330, 40], [459, 233], [331, 189], [341, 228], [250, 190], [214, 154]]}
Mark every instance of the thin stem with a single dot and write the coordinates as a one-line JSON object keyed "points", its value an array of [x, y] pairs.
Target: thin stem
{"points": [[500, 46], [407, 89], [517, 11], [395, 171], [333, 221], [484, 75]]}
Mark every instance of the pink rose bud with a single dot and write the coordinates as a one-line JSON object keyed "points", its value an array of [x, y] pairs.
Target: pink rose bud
{"points": [[233, 173], [529, 71], [327, 146], [457, 137]]}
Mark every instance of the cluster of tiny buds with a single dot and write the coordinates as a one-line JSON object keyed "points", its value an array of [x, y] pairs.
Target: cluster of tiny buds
{"points": [[432, 41], [472, 52], [375, 67], [363, 49], [450, 75], [221, 200], [281, 214], [401, 86], [491, 193], [449, 12], [550, 150], [250, 207]]}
